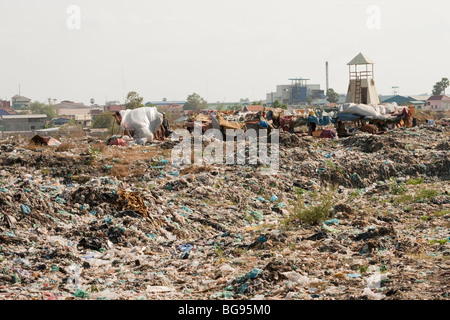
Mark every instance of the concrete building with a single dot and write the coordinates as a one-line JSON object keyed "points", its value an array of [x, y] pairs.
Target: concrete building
{"points": [[438, 103], [22, 123], [5, 104], [114, 108], [296, 93], [71, 109], [83, 120], [20, 102]]}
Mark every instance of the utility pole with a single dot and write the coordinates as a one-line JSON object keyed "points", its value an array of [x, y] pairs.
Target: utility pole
{"points": [[326, 67]]}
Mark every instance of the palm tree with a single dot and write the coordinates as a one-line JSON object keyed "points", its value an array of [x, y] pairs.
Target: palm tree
{"points": [[445, 83]]}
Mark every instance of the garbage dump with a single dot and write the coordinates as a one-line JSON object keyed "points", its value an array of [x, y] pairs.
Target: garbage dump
{"points": [[360, 217]]}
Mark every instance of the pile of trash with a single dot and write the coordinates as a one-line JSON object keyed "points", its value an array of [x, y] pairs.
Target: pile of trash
{"points": [[363, 217]]}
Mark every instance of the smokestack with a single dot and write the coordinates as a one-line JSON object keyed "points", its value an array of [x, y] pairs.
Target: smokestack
{"points": [[326, 67]]}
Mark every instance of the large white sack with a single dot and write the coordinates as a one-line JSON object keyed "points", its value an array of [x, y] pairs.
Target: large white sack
{"points": [[143, 121], [391, 107], [360, 109]]}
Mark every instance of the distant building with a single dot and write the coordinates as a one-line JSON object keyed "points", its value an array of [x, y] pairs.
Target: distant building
{"points": [[226, 105], [297, 93], [66, 104], [325, 104], [96, 112], [5, 104], [72, 109], [438, 103], [253, 108], [174, 110], [20, 102], [7, 111], [61, 121], [399, 100], [83, 120], [22, 123], [114, 108], [419, 102], [164, 103]]}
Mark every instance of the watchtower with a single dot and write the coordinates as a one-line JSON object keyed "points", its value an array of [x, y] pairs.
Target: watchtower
{"points": [[361, 89]]}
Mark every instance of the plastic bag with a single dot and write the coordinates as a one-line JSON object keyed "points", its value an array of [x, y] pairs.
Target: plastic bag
{"points": [[142, 121]]}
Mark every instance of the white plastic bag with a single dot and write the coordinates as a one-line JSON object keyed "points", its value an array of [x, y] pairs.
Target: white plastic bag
{"points": [[143, 121]]}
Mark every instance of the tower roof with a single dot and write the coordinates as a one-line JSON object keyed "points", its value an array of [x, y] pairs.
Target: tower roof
{"points": [[360, 59]]}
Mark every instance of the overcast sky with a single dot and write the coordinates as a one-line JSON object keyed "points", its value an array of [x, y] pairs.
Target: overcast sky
{"points": [[223, 50]]}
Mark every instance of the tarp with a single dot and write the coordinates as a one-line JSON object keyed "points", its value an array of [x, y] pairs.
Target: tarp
{"points": [[321, 121], [144, 122], [347, 117]]}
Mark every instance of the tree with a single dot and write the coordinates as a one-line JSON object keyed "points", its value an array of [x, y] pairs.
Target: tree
{"points": [[42, 108], [440, 87], [437, 89], [134, 101], [332, 96], [445, 84], [276, 104], [195, 102], [257, 103], [235, 107], [104, 120]]}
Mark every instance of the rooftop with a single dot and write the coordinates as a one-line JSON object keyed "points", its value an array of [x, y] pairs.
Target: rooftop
{"points": [[253, 108], [438, 98], [26, 116], [360, 59]]}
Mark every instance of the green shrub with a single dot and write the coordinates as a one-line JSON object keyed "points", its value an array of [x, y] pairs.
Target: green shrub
{"points": [[414, 182], [314, 214], [396, 188], [299, 191], [426, 195], [405, 198], [442, 213]]}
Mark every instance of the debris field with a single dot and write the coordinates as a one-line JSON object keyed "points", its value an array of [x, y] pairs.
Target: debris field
{"points": [[363, 217]]}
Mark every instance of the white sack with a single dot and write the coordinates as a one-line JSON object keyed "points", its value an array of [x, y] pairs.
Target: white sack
{"points": [[143, 121], [360, 109]]}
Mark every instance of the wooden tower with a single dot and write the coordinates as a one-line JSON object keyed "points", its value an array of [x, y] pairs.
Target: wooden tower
{"points": [[361, 89]]}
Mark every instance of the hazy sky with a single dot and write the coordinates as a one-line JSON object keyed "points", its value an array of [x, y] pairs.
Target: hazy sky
{"points": [[223, 50]]}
